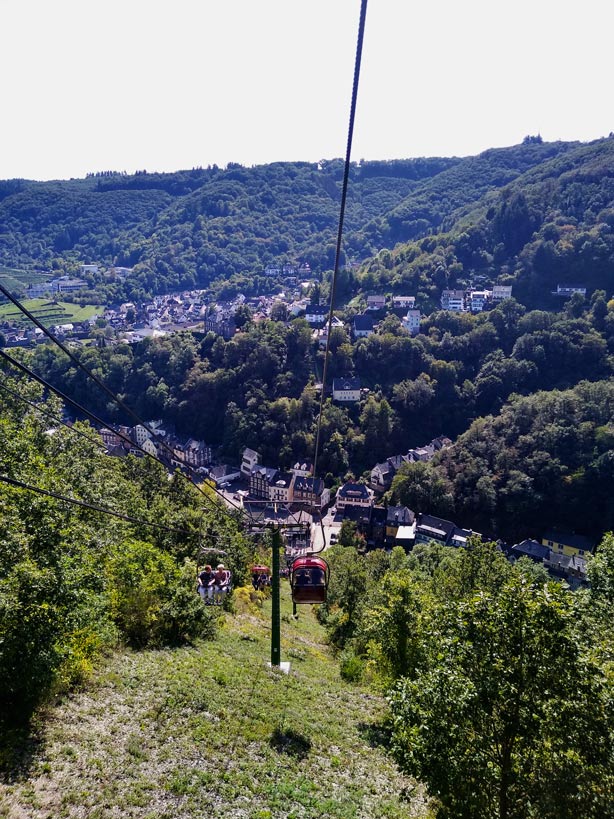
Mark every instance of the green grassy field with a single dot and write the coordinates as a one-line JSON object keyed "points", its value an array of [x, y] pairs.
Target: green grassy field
{"points": [[212, 731], [49, 313]]}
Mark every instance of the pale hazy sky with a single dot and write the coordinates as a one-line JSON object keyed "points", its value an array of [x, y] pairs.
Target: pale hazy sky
{"points": [[140, 84]]}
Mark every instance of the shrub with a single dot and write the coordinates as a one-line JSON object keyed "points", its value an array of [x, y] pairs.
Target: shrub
{"points": [[351, 667], [153, 601]]}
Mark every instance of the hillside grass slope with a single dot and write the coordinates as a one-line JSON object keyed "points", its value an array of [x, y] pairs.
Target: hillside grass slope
{"points": [[212, 731]]}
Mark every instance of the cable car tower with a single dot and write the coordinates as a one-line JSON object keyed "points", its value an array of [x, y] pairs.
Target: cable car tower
{"points": [[284, 520]]}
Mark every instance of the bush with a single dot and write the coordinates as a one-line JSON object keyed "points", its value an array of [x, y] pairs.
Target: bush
{"points": [[183, 617], [153, 601], [351, 667]]}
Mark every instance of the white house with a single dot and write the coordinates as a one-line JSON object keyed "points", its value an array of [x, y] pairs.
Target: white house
{"points": [[249, 461], [501, 291], [404, 302], [311, 491], [346, 389], [297, 307], [453, 300], [363, 326], [354, 494], [411, 321], [376, 302], [149, 447], [280, 489], [140, 434], [316, 314], [570, 289], [224, 474], [477, 300]]}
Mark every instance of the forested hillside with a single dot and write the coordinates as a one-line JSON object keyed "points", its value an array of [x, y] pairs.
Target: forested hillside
{"points": [[76, 581], [550, 225], [192, 227], [198, 226], [258, 390]]}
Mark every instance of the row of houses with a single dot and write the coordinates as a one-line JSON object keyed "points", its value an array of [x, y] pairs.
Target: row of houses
{"points": [[175, 451], [297, 485], [16, 335], [382, 474], [474, 301], [362, 325], [563, 554]]}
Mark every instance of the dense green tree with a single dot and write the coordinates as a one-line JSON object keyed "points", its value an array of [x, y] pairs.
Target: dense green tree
{"points": [[346, 593], [508, 716], [423, 488], [75, 582], [389, 630]]}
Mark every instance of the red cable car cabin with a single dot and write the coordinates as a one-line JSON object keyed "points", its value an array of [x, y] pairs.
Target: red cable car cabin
{"points": [[261, 577], [309, 580]]}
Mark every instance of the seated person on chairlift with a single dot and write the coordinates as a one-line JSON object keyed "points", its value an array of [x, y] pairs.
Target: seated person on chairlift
{"points": [[308, 577], [205, 584], [317, 576], [259, 580], [221, 581]]}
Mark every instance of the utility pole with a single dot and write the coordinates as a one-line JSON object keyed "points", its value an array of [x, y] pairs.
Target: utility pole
{"points": [[275, 527], [275, 600]]}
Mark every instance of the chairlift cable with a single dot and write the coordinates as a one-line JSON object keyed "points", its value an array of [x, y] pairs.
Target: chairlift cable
{"points": [[333, 287], [84, 504], [346, 176], [50, 415], [97, 380], [75, 359], [92, 416], [25, 369]]}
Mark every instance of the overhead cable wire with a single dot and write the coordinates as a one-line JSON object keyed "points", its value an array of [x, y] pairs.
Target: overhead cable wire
{"points": [[96, 419], [122, 404], [97, 442], [333, 286], [92, 416], [79, 407], [75, 359], [84, 504], [346, 176]]}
